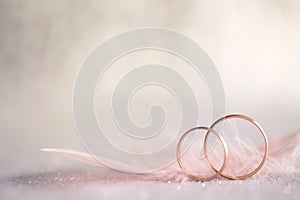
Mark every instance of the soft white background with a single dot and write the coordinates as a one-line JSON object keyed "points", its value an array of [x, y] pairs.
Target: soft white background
{"points": [[255, 46]]}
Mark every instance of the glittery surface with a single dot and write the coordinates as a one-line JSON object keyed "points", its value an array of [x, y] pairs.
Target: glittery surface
{"points": [[72, 184]]}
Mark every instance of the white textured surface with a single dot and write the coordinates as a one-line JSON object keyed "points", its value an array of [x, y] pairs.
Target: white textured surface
{"points": [[97, 184]]}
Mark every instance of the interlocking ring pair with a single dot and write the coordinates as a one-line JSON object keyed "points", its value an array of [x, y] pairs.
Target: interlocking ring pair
{"points": [[225, 148]]}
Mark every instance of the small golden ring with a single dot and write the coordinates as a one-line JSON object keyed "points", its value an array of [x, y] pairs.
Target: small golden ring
{"points": [[178, 154]]}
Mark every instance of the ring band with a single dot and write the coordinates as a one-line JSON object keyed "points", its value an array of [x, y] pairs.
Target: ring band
{"points": [[265, 141], [178, 154]]}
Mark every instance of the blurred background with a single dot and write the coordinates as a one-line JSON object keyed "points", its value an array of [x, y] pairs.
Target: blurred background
{"points": [[255, 46]]}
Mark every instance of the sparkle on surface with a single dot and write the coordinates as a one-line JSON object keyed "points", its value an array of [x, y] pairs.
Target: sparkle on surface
{"points": [[113, 185]]}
